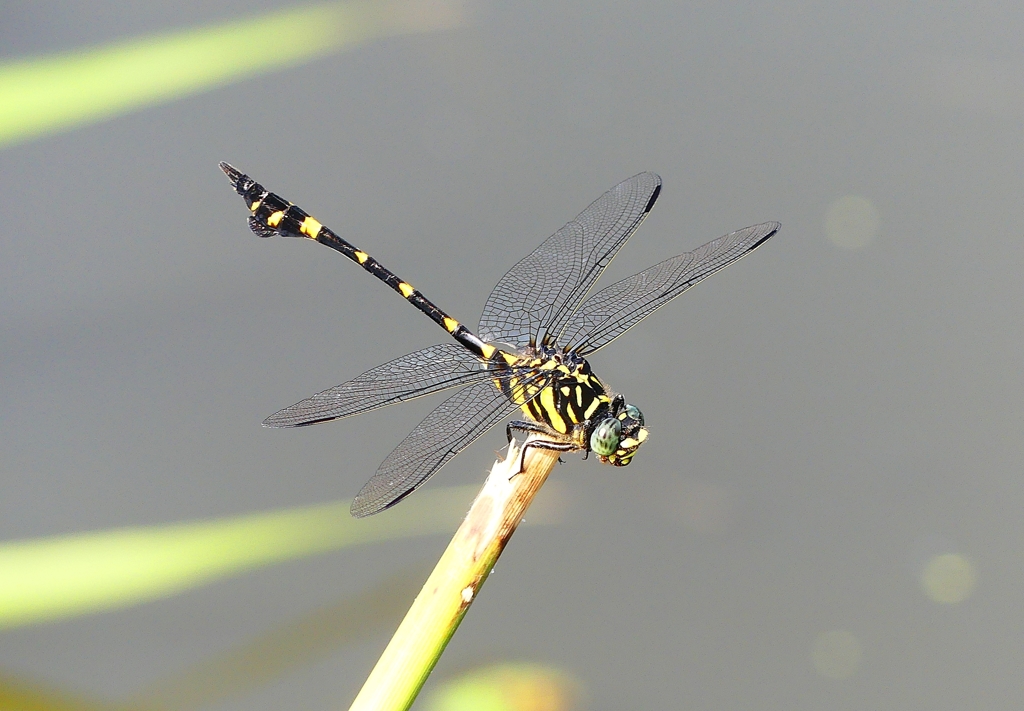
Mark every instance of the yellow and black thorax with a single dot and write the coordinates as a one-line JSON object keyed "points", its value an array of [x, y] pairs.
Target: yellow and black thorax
{"points": [[566, 393]]}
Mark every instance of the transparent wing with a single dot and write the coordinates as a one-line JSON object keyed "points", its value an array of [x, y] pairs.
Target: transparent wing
{"points": [[538, 296], [426, 371], [615, 309], [451, 427]]}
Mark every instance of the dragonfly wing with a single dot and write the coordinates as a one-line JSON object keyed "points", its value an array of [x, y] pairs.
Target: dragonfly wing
{"points": [[538, 296], [451, 427], [615, 309], [426, 371]]}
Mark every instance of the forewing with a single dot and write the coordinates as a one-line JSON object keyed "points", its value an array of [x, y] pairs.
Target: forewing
{"points": [[538, 295], [426, 371], [451, 427], [615, 309]]}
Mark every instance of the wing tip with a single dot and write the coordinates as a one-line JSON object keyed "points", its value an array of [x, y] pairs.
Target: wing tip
{"points": [[357, 511], [654, 194], [364, 506], [770, 230], [281, 420], [276, 421]]}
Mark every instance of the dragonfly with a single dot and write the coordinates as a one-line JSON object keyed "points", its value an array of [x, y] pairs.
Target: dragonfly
{"points": [[530, 350]]}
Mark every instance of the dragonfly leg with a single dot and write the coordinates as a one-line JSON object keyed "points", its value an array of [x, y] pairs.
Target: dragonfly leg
{"points": [[537, 428]]}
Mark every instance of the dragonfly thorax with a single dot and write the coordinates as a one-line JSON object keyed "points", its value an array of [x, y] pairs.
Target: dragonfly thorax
{"points": [[573, 402], [554, 388]]}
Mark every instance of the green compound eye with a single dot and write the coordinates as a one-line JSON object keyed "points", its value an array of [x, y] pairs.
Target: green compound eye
{"points": [[605, 438], [633, 412]]}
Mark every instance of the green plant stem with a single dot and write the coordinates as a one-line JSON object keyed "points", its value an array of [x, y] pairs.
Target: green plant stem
{"points": [[451, 588]]}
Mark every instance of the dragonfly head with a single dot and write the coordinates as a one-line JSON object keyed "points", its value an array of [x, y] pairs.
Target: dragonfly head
{"points": [[616, 438]]}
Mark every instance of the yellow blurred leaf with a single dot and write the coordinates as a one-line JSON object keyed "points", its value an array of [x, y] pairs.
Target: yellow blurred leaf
{"points": [[19, 695], [51, 578], [58, 92], [506, 687]]}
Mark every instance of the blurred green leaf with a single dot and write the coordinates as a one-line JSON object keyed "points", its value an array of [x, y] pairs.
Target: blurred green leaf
{"points": [[63, 576], [58, 92]]}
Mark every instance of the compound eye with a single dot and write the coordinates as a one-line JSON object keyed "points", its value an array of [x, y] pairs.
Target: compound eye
{"points": [[633, 412], [605, 438]]}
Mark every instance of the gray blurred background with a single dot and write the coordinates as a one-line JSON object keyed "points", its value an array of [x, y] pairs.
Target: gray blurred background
{"points": [[828, 514]]}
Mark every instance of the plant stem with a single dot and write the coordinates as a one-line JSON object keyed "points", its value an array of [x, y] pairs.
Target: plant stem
{"points": [[451, 588]]}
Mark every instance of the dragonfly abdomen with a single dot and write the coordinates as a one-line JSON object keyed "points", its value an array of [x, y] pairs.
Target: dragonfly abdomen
{"points": [[273, 215]]}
